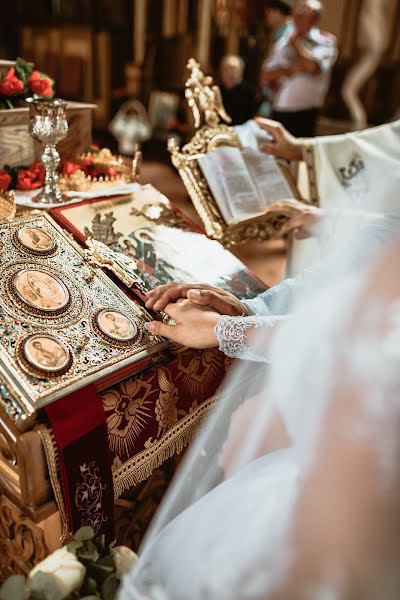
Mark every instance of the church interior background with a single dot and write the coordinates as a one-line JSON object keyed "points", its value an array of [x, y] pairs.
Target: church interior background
{"points": [[104, 54]]}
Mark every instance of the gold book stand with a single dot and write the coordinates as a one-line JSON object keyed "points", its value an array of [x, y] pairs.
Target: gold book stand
{"points": [[205, 101]]}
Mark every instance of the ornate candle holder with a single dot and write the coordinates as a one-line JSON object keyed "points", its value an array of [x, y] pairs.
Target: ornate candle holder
{"points": [[48, 124]]}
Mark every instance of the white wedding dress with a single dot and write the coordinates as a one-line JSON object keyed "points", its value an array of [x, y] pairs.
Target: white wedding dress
{"points": [[303, 518]]}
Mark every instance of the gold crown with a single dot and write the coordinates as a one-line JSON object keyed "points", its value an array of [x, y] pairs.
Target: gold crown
{"points": [[127, 170]]}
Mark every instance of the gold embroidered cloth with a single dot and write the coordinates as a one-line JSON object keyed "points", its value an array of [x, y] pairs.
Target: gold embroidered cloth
{"points": [[153, 415]]}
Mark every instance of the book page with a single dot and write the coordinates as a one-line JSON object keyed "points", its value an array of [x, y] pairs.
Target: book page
{"points": [[250, 135], [213, 175], [268, 178], [225, 168]]}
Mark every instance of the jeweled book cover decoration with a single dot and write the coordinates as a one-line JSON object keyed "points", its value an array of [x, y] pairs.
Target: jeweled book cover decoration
{"points": [[63, 323]]}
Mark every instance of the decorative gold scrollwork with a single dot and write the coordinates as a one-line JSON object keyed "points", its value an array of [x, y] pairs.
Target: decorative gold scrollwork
{"points": [[204, 98]]}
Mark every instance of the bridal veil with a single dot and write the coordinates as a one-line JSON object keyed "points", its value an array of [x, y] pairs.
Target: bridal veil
{"points": [[291, 489]]}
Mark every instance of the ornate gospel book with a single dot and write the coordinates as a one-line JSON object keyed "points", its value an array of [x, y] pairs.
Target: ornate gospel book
{"points": [[162, 245], [63, 323], [228, 180]]}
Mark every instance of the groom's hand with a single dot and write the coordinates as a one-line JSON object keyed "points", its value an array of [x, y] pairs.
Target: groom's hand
{"points": [[202, 294], [194, 325]]}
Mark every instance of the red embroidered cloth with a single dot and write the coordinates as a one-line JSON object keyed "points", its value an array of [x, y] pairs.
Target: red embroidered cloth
{"points": [[156, 413], [79, 427]]}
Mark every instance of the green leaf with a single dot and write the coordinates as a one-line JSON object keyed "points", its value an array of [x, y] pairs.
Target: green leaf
{"points": [[43, 587], [13, 587], [84, 533], [100, 541], [23, 69], [110, 587], [91, 586], [99, 573], [107, 561], [91, 597], [74, 546]]}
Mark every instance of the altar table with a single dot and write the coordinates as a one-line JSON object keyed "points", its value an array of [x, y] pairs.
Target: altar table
{"points": [[150, 417]]}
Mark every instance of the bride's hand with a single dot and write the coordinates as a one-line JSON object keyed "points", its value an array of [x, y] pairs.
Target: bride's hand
{"points": [[194, 325], [203, 294]]}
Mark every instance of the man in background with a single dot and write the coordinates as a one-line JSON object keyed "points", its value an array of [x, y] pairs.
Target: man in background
{"points": [[278, 19], [237, 95], [299, 67]]}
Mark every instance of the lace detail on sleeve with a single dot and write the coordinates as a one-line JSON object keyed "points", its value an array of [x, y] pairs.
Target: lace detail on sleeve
{"points": [[231, 333]]}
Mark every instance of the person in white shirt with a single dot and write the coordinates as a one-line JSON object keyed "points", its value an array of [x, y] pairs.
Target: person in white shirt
{"points": [[278, 19], [300, 65]]}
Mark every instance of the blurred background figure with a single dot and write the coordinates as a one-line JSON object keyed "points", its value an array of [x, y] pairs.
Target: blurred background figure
{"points": [[373, 24], [299, 69], [130, 125], [238, 97], [279, 22]]}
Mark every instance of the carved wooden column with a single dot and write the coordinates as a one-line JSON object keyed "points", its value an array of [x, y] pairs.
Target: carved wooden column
{"points": [[183, 8], [169, 21], [204, 12], [139, 30], [22, 542]]}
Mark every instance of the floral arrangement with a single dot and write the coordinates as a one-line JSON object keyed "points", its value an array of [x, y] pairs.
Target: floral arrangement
{"points": [[22, 178], [96, 165], [22, 81], [85, 568]]}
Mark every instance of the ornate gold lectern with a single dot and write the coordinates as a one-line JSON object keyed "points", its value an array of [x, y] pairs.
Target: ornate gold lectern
{"points": [[204, 98]]}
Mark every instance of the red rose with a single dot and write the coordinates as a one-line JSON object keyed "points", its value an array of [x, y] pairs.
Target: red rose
{"points": [[38, 168], [5, 180], [41, 84], [10, 84], [110, 172], [30, 179], [94, 171], [69, 167], [86, 164]]}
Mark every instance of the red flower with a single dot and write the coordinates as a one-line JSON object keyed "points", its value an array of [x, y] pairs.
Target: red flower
{"points": [[69, 167], [38, 168], [5, 180], [10, 84], [41, 84], [110, 172], [30, 179], [94, 171]]}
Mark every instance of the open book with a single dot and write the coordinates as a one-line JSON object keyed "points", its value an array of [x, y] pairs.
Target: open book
{"points": [[243, 181]]}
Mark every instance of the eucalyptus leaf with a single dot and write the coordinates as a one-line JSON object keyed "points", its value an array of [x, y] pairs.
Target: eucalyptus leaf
{"points": [[91, 585], [98, 572], [88, 555], [74, 546], [43, 587], [107, 560], [13, 588], [84, 533], [110, 587]]}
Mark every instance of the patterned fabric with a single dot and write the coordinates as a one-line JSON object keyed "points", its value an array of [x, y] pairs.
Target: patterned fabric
{"points": [[155, 414]]}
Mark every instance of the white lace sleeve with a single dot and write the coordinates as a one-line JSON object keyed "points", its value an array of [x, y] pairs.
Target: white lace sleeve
{"points": [[233, 336]]}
